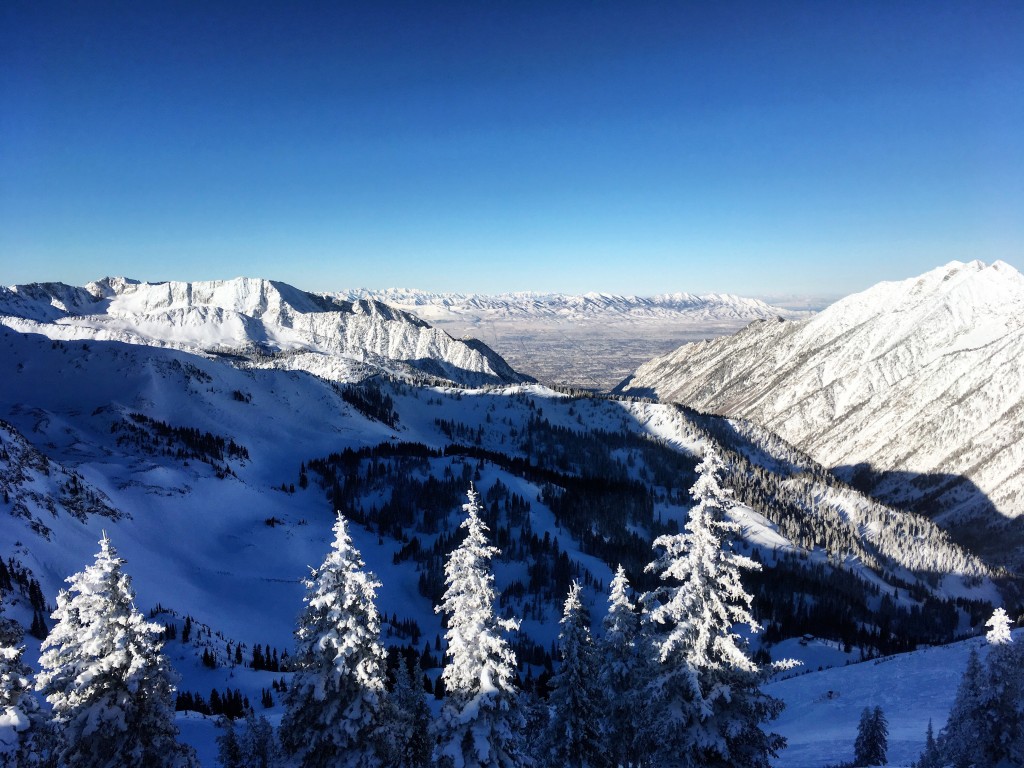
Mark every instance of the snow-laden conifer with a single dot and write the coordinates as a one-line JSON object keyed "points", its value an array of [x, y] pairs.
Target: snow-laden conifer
{"points": [[405, 736], [104, 675], [19, 711], [1002, 735], [574, 735], [255, 746], [958, 740], [931, 757], [999, 628], [872, 740], [706, 703], [481, 721], [335, 704], [620, 671]]}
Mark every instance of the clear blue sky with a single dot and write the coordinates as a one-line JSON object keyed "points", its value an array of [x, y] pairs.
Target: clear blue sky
{"points": [[482, 146]]}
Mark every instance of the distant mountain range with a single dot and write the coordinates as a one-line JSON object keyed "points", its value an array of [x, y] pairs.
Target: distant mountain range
{"points": [[590, 341], [913, 390], [268, 323], [703, 308]]}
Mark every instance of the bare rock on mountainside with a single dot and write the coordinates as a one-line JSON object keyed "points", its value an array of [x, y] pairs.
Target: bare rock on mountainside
{"points": [[913, 390], [269, 323]]}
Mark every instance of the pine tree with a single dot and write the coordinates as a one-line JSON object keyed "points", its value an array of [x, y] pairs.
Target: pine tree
{"points": [[619, 672], [481, 721], [405, 737], [706, 703], [1002, 738], [336, 700], [957, 740], [252, 746], [20, 720], [872, 740], [931, 757], [574, 736], [102, 671]]}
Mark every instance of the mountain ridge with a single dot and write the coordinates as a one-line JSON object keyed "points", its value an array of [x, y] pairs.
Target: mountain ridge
{"points": [[919, 376], [270, 323]]}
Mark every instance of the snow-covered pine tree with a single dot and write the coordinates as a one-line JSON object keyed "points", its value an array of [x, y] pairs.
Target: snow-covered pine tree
{"points": [[336, 701], [102, 671], [707, 706], [405, 736], [1003, 696], [574, 735], [931, 757], [620, 671], [254, 746], [872, 740], [481, 721], [957, 740], [19, 711]]}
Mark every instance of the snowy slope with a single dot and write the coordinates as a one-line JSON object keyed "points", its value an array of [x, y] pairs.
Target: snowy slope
{"points": [[823, 708], [270, 323], [921, 379]]}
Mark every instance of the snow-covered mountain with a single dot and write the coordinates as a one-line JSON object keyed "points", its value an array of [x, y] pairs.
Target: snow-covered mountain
{"points": [[914, 389], [218, 483], [270, 324], [590, 307], [590, 341]]}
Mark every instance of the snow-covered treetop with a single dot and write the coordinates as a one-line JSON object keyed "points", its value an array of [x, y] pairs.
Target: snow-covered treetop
{"points": [[710, 599], [999, 634], [480, 659]]}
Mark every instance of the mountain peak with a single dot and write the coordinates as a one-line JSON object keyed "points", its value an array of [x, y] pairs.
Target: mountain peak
{"points": [[919, 377]]}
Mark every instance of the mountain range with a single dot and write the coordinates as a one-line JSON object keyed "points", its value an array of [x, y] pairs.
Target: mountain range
{"points": [[912, 390], [268, 323], [591, 341]]}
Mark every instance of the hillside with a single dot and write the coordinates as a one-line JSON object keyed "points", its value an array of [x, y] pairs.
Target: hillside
{"points": [[912, 390]]}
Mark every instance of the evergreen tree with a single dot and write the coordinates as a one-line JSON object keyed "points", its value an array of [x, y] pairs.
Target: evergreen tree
{"points": [[707, 706], [336, 700], [253, 746], [102, 671], [229, 746], [1003, 696], [405, 738], [619, 672], [574, 736], [931, 757], [20, 720], [481, 721], [986, 723], [966, 717], [872, 740]]}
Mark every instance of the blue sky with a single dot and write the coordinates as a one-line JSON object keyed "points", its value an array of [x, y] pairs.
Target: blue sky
{"points": [[755, 148]]}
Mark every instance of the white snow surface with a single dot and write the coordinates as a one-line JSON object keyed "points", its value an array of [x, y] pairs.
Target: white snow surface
{"points": [[921, 376], [823, 708]]}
